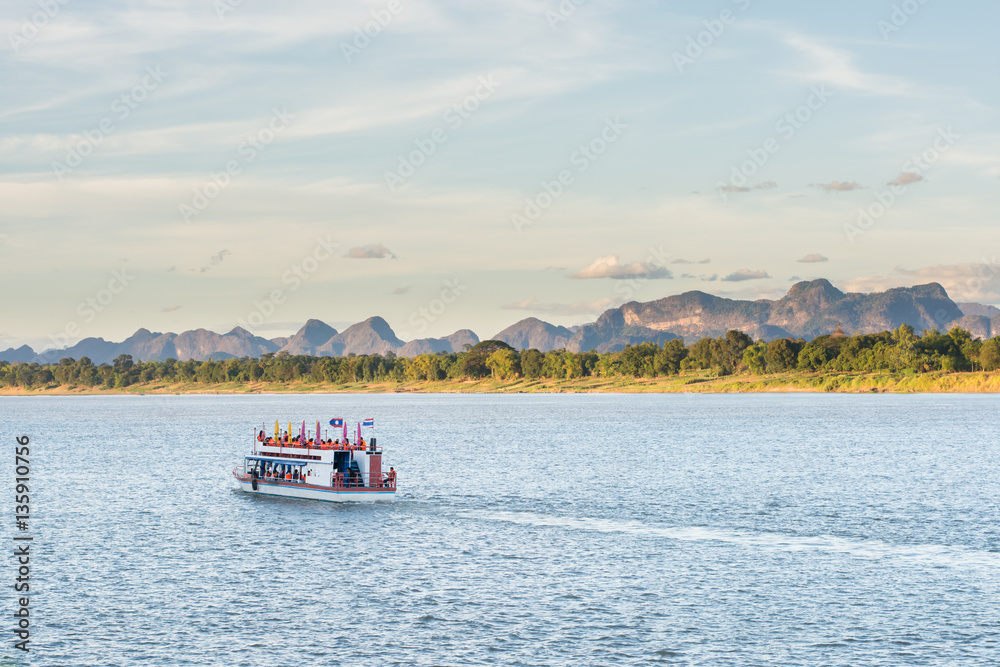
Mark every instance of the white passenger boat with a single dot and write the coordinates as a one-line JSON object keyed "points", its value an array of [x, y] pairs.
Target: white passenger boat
{"points": [[314, 467]]}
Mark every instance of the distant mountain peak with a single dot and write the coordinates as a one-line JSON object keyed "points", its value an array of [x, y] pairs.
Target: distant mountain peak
{"points": [[806, 287], [810, 308]]}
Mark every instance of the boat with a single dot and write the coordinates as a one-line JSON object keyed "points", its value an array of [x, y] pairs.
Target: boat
{"points": [[314, 467]]}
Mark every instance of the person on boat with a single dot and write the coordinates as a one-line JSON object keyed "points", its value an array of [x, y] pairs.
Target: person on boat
{"points": [[390, 477], [260, 437]]}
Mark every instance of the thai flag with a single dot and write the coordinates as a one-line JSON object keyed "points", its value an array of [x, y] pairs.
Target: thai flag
{"points": [[336, 422], [368, 422]]}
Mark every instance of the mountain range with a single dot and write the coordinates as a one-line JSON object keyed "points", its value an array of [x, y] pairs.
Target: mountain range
{"points": [[809, 309]]}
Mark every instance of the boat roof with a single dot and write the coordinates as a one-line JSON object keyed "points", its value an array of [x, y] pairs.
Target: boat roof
{"points": [[278, 460]]}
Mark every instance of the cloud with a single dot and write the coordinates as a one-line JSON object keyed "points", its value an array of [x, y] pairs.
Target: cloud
{"points": [[709, 279], [836, 67], [375, 251], [766, 185], [906, 178], [837, 186], [610, 267], [688, 261], [533, 305], [964, 282], [813, 258], [169, 309], [745, 274], [400, 290]]}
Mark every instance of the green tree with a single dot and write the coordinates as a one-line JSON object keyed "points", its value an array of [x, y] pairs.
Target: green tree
{"points": [[781, 355], [989, 355], [753, 358], [504, 364]]}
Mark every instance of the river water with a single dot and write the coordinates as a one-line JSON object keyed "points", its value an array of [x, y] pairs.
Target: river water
{"points": [[528, 530]]}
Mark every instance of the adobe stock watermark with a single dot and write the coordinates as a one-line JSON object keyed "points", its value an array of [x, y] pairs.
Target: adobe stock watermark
{"points": [[785, 128], [582, 158], [715, 28], [293, 278], [424, 316], [364, 34], [122, 108], [88, 309], [563, 13], [900, 16], [912, 171], [453, 118], [656, 262], [31, 26], [247, 150], [223, 7]]}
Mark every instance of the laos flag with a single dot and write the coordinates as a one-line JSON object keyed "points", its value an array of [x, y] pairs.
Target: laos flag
{"points": [[336, 422], [368, 422]]}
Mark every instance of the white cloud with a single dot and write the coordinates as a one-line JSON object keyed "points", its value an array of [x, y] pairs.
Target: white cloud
{"points": [[374, 251], [836, 68], [963, 282], [906, 178], [813, 258], [746, 274], [838, 186], [610, 267]]}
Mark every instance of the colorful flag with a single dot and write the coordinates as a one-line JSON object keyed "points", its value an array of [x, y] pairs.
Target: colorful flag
{"points": [[369, 422], [317, 431], [336, 422], [302, 435], [275, 429]]}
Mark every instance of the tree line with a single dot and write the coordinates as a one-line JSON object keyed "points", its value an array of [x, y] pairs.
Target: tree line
{"points": [[901, 350]]}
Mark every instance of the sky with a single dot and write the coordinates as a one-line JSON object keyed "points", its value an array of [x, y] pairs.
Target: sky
{"points": [[445, 165]]}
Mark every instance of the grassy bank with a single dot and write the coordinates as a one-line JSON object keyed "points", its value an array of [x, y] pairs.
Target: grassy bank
{"points": [[697, 382]]}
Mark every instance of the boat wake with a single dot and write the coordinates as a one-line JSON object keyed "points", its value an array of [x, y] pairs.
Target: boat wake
{"points": [[916, 554]]}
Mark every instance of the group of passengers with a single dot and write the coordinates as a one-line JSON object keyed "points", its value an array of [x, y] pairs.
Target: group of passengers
{"points": [[296, 441], [282, 471]]}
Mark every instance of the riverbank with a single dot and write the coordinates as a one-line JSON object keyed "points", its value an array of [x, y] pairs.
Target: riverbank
{"points": [[938, 382]]}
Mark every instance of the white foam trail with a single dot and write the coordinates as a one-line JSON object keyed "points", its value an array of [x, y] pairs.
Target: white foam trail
{"points": [[926, 554]]}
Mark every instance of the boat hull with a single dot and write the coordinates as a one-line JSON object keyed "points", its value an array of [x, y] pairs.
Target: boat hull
{"points": [[313, 492]]}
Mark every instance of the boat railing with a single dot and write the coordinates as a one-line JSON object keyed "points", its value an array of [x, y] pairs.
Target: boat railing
{"points": [[382, 480], [320, 446], [341, 481]]}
